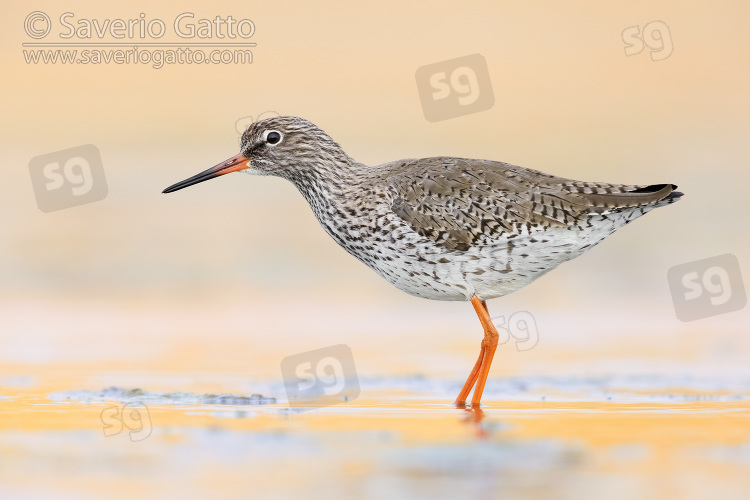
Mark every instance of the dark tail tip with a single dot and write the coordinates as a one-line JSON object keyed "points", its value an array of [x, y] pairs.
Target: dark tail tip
{"points": [[653, 188], [675, 195]]}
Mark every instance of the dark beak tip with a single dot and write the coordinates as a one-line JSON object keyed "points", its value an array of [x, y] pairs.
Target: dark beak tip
{"points": [[211, 173]]}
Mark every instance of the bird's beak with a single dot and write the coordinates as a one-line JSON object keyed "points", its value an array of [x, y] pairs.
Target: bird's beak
{"points": [[233, 164]]}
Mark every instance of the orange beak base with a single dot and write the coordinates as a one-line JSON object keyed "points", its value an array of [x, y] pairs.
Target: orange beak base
{"points": [[233, 164]]}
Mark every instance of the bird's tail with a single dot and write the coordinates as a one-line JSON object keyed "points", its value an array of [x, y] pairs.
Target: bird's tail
{"points": [[655, 195]]}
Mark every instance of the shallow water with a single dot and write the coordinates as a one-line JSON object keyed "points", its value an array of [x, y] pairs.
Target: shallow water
{"points": [[535, 437]]}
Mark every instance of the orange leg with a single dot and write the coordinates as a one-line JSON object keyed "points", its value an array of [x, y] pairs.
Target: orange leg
{"points": [[466, 389], [481, 369]]}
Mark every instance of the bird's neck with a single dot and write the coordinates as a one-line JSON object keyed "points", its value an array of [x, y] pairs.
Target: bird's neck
{"points": [[328, 185], [327, 179]]}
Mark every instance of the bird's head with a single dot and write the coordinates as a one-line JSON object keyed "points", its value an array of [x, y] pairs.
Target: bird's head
{"points": [[285, 146]]}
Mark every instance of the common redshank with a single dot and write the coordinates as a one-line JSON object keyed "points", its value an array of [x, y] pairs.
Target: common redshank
{"points": [[442, 228]]}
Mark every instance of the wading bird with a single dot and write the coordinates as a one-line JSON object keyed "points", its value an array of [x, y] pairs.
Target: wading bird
{"points": [[442, 228]]}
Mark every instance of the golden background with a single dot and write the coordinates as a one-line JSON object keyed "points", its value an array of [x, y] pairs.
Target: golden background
{"points": [[209, 288]]}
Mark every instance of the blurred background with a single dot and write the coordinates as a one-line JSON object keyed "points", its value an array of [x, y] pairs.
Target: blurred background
{"points": [[209, 288]]}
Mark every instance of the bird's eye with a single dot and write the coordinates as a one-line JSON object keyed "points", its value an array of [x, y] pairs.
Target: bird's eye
{"points": [[272, 137]]}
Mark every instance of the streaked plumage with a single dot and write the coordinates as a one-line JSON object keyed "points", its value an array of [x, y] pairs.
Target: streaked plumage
{"points": [[442, 228], [448, 228]]}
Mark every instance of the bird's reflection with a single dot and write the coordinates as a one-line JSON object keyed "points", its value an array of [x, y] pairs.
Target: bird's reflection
{"points": [[474, 417]]}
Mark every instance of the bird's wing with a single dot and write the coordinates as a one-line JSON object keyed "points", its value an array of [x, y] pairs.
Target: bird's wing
{"points": [[461, 203]]}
